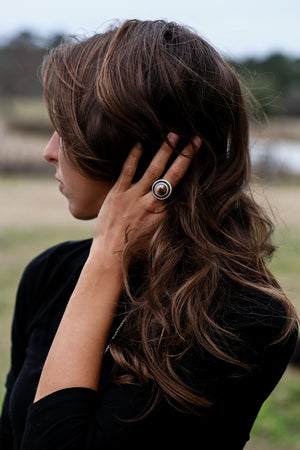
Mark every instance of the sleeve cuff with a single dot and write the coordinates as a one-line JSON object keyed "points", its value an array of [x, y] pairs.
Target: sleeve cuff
{"points": [[59, 420]]}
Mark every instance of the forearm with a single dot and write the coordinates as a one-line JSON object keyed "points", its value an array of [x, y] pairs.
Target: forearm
{"points": [[76, 354], [75, 357]]}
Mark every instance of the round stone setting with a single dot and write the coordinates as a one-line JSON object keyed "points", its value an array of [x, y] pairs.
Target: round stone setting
{"points": [[161, 189]]}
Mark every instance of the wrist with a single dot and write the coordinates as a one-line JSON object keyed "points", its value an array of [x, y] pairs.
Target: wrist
{"points": [[104, 260]]}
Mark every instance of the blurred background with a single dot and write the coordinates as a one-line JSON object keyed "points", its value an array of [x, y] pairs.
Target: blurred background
{"points": [[259, 39]]}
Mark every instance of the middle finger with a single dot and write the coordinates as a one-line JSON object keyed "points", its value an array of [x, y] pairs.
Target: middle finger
{"points": [[179, 167], [159, 162]]}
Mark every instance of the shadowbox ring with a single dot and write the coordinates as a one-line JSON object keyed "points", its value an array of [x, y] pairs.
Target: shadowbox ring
{"points": [[161, 189]]}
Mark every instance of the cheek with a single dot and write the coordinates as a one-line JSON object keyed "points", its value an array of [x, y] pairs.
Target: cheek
{"points": [[86, 200], [84, 194]]}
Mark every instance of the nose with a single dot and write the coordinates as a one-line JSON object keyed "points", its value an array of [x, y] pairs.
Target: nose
{"points": [[52, 148]]}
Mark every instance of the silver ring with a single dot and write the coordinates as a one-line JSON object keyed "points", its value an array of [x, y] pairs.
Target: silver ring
{"points": [[161, 189]]}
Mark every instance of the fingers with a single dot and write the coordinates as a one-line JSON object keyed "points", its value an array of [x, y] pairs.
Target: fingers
{"points": [[182, 162], [129, 167], [159, 162], [154, 170], [157, 166]]}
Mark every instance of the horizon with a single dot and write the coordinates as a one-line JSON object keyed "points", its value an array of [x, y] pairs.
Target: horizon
{"points": [[41, 39]]}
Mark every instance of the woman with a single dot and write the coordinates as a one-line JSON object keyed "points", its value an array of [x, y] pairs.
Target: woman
{"points": [[167, 328]]}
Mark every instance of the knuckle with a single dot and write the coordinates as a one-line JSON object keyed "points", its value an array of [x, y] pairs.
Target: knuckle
{"points": [[128, 170], [154, 171], [176, 174]]}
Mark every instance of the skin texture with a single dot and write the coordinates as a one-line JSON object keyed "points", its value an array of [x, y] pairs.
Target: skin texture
{"points": [[81, 337]]}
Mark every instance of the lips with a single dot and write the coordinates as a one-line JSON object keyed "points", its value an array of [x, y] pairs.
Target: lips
{"points": [[61, 185]]}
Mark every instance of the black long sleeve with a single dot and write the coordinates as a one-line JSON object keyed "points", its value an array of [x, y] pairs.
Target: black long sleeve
{"points": [[80, 418], [42, 296], [18, 352]]}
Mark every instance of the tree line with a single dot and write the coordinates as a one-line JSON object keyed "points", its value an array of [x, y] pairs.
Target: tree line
{"points": [[274, 81]]}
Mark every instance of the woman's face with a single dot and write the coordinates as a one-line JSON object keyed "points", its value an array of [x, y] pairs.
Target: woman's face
{"points": [[85, 195]]}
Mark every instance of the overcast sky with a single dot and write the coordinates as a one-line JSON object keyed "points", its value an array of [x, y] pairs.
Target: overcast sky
{"points": [[236, 27]]}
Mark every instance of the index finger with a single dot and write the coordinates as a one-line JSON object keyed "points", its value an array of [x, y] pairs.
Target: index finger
{"points": [[129, 168]]}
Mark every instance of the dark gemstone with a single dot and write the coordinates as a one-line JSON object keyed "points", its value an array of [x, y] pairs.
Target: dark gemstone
{"points": [[161, 190]]}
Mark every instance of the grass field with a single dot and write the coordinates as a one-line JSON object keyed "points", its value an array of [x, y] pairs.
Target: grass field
{"points": [[34, 216]]}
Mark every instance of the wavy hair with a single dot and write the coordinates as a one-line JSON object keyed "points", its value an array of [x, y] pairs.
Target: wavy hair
{"points": [[135, 83]]}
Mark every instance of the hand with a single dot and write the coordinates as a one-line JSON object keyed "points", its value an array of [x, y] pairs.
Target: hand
{"points": [[75, 356], [128, 207]]}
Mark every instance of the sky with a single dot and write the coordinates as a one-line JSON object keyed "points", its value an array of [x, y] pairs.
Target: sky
{"points": [[237, 28]]}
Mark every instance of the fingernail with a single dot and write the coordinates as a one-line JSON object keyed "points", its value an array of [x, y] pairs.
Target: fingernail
{"points": [[197, 141], [173, 138], [139, 146]]}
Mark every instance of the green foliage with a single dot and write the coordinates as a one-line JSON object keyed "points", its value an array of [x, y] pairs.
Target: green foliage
{"points": [[287, 260], [278, 420], [20, 60], [277, 425], [285, 263], [273, 81]]}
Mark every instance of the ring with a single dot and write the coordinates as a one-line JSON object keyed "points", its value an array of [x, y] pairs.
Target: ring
{"points": [[161, 189]]}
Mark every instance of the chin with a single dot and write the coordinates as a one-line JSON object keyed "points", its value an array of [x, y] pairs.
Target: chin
{"points": [[82, 214]]}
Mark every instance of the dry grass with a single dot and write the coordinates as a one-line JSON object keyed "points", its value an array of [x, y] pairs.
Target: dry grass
{"points": [[283, 203], [31, 202]]}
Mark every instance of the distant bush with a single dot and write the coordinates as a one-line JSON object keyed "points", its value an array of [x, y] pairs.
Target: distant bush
{"points": [[20, 60], [274, 81]]}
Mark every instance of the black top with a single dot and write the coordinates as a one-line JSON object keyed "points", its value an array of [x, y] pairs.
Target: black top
{"points": [[81, 419]]}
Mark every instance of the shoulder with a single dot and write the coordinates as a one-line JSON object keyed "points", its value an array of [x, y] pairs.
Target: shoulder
{"points": [[253, 309], [58, 265], [63, 251], [265, 330], [47, 283], [251, 332], [57, 256], [255, 329]]}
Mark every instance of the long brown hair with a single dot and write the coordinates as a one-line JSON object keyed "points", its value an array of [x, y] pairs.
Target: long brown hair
{"points": [[135, 83]]}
